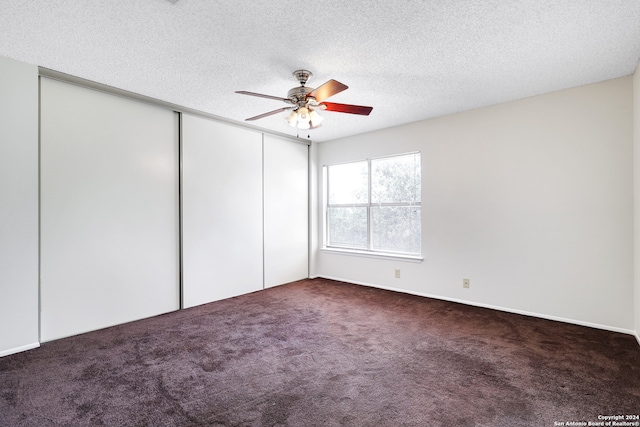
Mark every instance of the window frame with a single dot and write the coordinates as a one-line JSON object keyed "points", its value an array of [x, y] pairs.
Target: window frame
{"points": [[369, 251]]}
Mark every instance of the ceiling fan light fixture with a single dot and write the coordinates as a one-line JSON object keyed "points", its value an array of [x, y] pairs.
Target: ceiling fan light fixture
{"points": [[301, 118], [315, 118], [303, 125], [292, 118], [303, 115]]}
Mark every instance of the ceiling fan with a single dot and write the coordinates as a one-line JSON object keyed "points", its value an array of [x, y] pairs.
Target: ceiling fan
{"points": [[304, 101]]}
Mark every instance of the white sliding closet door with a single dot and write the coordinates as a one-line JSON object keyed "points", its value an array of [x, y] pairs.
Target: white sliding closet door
{"points": [[18, 206], [286, 211], [221, 211], [109, 210]]}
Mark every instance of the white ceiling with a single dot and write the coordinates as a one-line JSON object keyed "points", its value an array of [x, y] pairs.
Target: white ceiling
{"points": [[410, 60]]}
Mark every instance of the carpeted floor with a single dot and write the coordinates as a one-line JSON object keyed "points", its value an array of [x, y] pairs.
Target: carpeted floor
{"points": [[324, 353]]}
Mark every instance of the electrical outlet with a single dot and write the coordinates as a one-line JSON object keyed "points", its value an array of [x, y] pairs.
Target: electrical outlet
{"points": [[465, 283], [397, 273]]}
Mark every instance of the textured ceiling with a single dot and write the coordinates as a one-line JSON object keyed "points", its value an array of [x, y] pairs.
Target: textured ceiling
{"points": [[410, 60]]}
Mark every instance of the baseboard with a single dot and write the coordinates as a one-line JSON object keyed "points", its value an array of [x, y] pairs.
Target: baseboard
{"points": [[637, 335], [19, 349], [493, 307]]}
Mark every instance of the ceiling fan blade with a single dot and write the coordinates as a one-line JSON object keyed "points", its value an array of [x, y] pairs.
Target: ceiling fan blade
{"points": [[260, 95], [347, 108], [328, 89], [270, 113]]}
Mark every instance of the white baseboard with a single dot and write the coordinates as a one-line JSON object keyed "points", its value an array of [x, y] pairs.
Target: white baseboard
{"points": [[637, 335], [19, 349], [494, 307]]}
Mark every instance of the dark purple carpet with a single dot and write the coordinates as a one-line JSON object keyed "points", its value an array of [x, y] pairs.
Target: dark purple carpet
{"points": [[323, 353]]}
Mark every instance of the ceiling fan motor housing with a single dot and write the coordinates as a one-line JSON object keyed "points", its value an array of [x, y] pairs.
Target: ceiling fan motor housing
{"points": [[299, 95]]}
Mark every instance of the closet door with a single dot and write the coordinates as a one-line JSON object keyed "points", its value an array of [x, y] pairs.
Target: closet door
{"points": [[286, 211], [18, 206], [109, 210], [221, 210]]}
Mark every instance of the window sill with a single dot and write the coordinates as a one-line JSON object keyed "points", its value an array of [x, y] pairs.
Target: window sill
{"points": [[368, 254]]}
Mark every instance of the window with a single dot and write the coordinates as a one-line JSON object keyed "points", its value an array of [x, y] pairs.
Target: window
{"points": [[374, 205]]}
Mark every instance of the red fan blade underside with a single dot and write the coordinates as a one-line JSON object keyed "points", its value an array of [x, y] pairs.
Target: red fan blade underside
{"points": [[270, 113], [260, 95], [347, 108], [328, 89]]}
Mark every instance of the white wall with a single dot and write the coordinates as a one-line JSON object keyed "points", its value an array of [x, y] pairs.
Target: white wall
{"points": [[108, 210], [18, 206], [531, 200], [636, 155]]}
